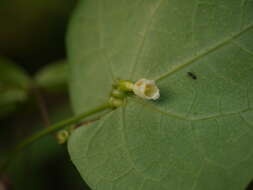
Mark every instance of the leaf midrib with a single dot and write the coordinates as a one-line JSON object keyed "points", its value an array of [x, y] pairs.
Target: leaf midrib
{"points": [[203, 53]]}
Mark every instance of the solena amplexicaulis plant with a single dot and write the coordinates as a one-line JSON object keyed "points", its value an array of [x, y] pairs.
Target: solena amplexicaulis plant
{"points": [[143, 88]]}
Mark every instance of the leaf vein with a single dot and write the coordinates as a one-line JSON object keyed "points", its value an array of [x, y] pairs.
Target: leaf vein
{"points": [[204, 53], [125, 144], [181, 117], [146, 29], [243, 48]]}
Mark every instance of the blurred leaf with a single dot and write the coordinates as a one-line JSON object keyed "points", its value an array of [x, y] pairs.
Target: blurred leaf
{"points": [[14, 86], [10, 100], [12, 74], [53, 77]]}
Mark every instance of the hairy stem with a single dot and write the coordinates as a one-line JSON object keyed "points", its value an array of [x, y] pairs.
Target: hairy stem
{"points": [[51, 129]]}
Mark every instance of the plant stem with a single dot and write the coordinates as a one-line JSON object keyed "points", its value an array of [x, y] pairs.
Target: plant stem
{"points": [[41, 105], [49, 130]]}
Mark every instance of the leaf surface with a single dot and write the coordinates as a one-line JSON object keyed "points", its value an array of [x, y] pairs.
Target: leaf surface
{"points": [[198, 135]]}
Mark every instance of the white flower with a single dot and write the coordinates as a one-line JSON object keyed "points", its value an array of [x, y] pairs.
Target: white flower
{"points": [[146, 89]]}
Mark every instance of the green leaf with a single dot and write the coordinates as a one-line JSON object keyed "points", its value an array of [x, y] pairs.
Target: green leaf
{"points": [[53, 77], [14, 86], [199, 134], [10, 73]]}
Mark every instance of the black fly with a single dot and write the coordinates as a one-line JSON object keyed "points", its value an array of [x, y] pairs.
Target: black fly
{"points": [[192, 75]]}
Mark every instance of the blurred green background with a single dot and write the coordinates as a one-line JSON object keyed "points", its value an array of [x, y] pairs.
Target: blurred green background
{"points": [[33, 86]]}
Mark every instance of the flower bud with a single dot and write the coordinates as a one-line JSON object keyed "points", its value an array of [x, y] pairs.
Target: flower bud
{"points": [[125, 85], [62, 136], [115, 102]]}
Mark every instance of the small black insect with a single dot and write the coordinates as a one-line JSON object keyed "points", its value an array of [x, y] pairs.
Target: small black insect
{"points": [[192, 75]]}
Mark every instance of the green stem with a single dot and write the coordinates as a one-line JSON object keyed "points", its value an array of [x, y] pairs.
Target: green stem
{"points": [[50, 130]]}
